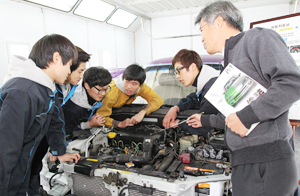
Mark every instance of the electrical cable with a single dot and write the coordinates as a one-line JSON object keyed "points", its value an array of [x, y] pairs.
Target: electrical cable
{"points": [[127, 187], [53, 177]]}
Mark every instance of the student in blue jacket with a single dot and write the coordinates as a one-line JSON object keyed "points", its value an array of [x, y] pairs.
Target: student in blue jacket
{"points": [[29, 110], [80, 110], [66, 90]]}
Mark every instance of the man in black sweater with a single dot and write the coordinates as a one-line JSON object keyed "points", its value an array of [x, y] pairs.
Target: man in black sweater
{"points": [[190, 71]]}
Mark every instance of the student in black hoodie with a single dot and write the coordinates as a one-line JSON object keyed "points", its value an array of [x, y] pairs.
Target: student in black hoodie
{"points": [[64, 93], [29, 110], [80, 110]]}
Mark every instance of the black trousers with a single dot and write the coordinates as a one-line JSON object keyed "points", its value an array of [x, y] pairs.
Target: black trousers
{"points": [[274, 178], [36, 167]]}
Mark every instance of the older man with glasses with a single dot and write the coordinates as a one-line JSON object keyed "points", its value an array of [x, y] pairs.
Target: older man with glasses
{"points": [[263, 163]]}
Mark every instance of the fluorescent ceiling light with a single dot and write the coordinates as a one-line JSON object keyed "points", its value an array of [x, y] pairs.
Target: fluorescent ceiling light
{"points": [[63, 5], [94, 9], [122, 18]]}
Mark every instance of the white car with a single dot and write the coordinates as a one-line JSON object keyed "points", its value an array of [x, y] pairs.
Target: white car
{"points": [[144, 159]]}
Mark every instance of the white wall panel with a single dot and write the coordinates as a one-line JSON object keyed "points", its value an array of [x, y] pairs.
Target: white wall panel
{"points": [[184, 25], [125, 48], [75, 29], [19, 26], [101, 38], [262, 13], [171, 26], [169, 47], [143, 45], [27, 24]]}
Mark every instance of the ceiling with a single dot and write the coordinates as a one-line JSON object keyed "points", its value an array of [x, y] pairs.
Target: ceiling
{"points": [[149, 9], [162, 8]]}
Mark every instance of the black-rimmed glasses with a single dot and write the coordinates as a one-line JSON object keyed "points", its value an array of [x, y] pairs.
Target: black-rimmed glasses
{"points": [[102, 90], [177, 71]]}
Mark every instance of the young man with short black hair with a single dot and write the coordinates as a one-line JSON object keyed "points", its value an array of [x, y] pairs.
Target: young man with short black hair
{"points": [[64, 93], [66, 90], [124, 90], [80, 110], [29, 110], [189, 70]]}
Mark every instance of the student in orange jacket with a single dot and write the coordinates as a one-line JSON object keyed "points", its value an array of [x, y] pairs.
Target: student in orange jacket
{"points": [[124, 90]]}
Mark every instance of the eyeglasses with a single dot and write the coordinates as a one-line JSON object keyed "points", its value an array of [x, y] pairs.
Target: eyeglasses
{"points": [[100, 91], [177, 71], [201, 28]]}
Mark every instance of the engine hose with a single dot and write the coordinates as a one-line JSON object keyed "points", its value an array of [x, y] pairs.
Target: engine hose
{"points": [[167, 162], [166, 153], [123, 158], [140, 160]]}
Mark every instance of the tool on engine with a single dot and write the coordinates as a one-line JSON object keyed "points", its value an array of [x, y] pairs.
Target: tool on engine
{"points": [[173, 126], [195, 171]]}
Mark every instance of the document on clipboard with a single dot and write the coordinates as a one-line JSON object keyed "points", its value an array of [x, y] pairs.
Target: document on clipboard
{"points": [[234, 90]]}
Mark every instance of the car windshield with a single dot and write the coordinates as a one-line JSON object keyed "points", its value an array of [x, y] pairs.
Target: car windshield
{"points": [[162, 80], [160, 77]]}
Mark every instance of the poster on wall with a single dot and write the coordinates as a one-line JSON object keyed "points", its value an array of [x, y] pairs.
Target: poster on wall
{"points": [[289, 28]]}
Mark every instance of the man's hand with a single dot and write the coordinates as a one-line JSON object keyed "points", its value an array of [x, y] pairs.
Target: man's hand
{"points": [[65, 158], [235, 124], [138, 117], [174, 122], [170, 116], [97, 120], [125, 123], [194, 121]]}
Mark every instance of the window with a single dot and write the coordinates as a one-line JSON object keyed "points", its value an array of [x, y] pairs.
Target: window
{"points": [[94, 9], [162, 80], [15, 48], [122, 18], [63, 5]]}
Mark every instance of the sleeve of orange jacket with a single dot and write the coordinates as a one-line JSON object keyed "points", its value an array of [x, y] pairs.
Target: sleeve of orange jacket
{"points": [[153, 99], [105, 110]]}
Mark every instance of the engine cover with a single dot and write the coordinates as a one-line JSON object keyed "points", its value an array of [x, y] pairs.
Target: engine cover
{"points": [[138, 134]]}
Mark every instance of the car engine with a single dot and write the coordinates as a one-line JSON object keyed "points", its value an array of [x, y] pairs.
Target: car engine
{"points": [[150, 150]]}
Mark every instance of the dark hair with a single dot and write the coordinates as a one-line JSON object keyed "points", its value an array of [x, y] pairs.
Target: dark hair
{"points": [[134, 72], [82, 57], [226, 10], [94, 76], [186, 58], [43, 50]]}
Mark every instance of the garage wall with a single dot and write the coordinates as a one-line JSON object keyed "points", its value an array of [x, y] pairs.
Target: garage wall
{"points": [[25, 24], [161, 28]]}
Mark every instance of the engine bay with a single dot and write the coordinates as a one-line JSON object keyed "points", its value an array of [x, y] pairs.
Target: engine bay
{"points": [[144, 158], [149, 150]]}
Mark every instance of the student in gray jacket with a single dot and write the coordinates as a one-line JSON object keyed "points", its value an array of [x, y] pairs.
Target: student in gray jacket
{"points": [[263, 162]]}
